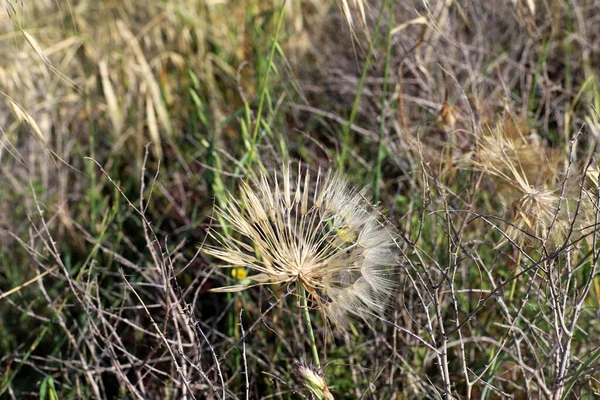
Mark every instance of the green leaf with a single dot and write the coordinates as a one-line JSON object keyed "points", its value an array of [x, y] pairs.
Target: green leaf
{"points": [[47, 389]]}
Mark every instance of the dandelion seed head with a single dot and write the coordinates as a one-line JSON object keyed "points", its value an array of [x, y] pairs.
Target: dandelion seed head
{"points": [[318, 232], [527, 175]]}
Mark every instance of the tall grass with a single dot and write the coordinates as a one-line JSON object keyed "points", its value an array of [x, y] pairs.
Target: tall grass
{"points": [[124, 123]]}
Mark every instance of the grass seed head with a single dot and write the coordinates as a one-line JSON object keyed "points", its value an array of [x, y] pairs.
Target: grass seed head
{"points": [[321, 234]]}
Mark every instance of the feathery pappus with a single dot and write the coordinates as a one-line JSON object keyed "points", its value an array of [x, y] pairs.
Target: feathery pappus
{"points": [[320, 233]]}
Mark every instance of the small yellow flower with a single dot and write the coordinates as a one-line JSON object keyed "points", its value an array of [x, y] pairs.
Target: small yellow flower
{"points": [[239, 273], [346, 235]]}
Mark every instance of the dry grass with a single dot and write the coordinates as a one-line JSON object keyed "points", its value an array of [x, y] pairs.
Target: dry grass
{"points": [[475, 130]]}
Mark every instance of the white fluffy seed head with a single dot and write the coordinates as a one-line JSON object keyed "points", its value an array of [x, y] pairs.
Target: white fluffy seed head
{"points": [[320, 233]]}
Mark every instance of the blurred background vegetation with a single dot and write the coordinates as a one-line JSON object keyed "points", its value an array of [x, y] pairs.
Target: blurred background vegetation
{"points": [[474, 124]]}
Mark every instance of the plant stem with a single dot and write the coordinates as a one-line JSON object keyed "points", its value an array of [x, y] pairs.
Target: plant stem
{"points": [[308, 325]]}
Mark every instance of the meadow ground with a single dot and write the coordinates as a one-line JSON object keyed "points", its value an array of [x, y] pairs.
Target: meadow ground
{"points": [[128, 130]]}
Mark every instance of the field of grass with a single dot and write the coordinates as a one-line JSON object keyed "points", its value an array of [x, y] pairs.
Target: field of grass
{"points": [[134, 134]]}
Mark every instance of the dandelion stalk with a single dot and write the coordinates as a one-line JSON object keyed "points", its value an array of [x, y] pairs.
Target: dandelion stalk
{"points": [[308, 324]]}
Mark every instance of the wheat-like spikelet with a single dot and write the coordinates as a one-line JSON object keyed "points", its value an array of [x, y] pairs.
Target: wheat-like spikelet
{"points": [[314, 380], [322, 235]]}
